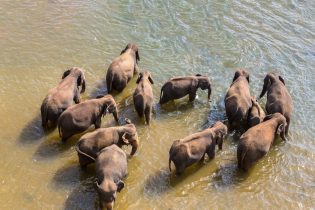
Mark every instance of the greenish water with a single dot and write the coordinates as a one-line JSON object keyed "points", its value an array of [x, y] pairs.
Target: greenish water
{"points": [[40, 39]]}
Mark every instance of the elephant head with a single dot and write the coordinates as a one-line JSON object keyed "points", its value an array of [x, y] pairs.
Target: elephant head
{"points": [[240, 73], [220, 133], [109, 106], [269, 80], [204, 83], [77, 73], [134, 48], [282, 123], [107, 191], [145, 75], [130, 137]]}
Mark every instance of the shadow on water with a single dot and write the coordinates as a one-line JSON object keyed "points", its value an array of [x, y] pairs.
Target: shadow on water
{"points": [[71, 174], [228, 175], [83, 197], [162, 180], [33, 131], [53, 146]]}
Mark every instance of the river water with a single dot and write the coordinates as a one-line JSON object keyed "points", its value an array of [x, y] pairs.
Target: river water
{"points": [[40, 39]]}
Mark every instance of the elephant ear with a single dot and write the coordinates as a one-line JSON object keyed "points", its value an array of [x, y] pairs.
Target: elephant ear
{"points": [[281, 79], [124, 50], [137, 55], [150, 79], [66, 73], [126, 141], [198, 75], [81, 82], [120, 185], [236, 75], [139, 77], [268, 117]]}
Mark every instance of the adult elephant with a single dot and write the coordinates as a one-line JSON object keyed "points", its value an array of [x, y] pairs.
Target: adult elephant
{"points": [[179, 87], [62, 96], [90, 144], [143, 96], [191, 149], [122, 69], [256, 141], [238, 100], [80, 117], [278, 97]]}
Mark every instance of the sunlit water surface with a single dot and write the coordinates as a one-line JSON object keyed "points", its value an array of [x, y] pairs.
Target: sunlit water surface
{"points": [[40, 39]]}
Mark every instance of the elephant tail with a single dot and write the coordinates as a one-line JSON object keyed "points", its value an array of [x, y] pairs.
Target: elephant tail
{"points": [[83, 153], [169, 164]]}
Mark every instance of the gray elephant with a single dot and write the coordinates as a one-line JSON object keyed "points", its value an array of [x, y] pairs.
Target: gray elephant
{"points": [[238, 100], [191, 149], [122, 69], [90, 144], [256, 113], [80, 117], [256, 141], [278, 97], [179, 87], [143, 96], [111, 169], [62, 96]]}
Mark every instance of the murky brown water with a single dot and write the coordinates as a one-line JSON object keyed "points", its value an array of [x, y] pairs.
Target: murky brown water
{"points": [[39, 39]]}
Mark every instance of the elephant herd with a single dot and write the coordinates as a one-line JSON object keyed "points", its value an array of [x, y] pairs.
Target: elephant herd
{"points": [[103, 146]]}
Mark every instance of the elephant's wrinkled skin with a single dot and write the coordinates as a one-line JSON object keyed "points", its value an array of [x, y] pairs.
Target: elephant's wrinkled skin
{"points": [[62, 96], [111, 169], [278, 97], [90, 144], [80, 117], [143, 96], [191, 149], [179, 87], [122, 69], [256, 141], [238, 100]]}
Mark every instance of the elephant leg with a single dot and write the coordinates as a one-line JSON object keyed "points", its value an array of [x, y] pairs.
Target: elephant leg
{"points": [[202, 158], [211, 151], [84, 161], [147, 113], [65, 136], [192, 96], [98, 122]]}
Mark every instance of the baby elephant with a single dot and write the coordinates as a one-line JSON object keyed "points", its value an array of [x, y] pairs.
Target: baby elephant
{"points": [[278, 97], [111, 168], [256, 114], [179, 87], [191, 149], [80, 117], [62, 96], [256, 141], [238, 100], [143, 96], [92, 143], [122, 69]]}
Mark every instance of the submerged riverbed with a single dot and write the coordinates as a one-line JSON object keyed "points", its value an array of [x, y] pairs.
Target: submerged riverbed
{"points": [[40, 39]]}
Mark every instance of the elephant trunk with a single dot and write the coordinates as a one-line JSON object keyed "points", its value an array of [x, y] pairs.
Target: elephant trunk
{"points": [[209, 91], [83, 86], [135, 145]]}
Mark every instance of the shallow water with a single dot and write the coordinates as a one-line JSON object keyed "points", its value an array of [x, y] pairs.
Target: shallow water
{"points": [[40, 39]]}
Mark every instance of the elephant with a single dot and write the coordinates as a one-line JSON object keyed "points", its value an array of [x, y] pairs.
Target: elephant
{"points": [[143, 96], [278, 97], [122, 69], [179, 87], [191, 149], [111, 169], [256, 113], [256, 141], [62, 96], [80, 117], [90, 144], [238, 100]]}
